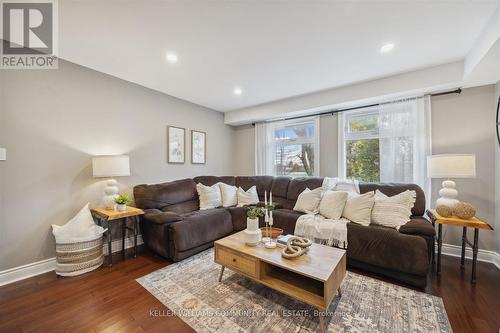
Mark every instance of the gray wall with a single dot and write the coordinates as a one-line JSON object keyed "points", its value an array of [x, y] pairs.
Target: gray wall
{"points": [[460, 124], [464, 124], [53, 121]]}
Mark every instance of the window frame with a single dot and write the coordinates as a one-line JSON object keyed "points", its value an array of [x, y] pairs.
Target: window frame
{"points": [[346, 135], [313, 140]]}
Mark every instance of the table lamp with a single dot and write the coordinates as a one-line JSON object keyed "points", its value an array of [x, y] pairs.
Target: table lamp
{"points": [[450, 166], [110, 167]]}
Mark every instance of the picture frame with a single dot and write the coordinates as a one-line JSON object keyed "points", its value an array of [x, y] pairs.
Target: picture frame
{"points": [[198, 147], [176, 145]]}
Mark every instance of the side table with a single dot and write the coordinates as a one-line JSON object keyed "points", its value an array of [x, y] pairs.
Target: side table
{"points": [[106, 217], [456, 221]]}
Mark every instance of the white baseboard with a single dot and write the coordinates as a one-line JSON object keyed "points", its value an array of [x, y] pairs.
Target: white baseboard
{"points": [[23, 272], [482, 255]]}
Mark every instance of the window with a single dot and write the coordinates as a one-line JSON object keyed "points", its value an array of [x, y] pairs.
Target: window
{"points": [[387, 143], [296, 151], [361, 145]]}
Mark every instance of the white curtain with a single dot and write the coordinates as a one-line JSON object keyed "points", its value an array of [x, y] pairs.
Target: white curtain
{"points": [[405, 141], [264, 149]]}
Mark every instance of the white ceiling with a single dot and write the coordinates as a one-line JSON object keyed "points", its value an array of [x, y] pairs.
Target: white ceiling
{"points": [[272, 50]]}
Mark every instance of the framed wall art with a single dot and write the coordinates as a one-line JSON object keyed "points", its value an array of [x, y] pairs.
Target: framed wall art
{"points": [[176, 143], [198, 147]]}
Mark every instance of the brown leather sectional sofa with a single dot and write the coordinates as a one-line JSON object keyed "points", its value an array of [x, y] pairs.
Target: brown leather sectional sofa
{"points": [[175, 228]]}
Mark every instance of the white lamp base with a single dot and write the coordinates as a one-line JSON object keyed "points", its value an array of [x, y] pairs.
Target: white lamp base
{"points": [[110, 193], [448, 194]]}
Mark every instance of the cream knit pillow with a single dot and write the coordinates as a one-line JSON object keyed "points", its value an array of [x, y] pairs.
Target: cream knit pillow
{"points": [[395, 211], [250, 197], [210, 196], [332, 204], [308, 201], [358, 209], [229, 196]]}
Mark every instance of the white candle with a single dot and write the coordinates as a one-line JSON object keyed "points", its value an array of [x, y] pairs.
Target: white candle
{"points": [[271, 198], [265, 199]]}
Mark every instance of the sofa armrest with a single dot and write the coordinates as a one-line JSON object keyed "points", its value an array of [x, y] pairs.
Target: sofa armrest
{"points": [[418, 226], [159, 217]]}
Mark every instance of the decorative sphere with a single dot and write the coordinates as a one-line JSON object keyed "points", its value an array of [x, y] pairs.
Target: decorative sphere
{"points": [[464, 210], [444, 211]]}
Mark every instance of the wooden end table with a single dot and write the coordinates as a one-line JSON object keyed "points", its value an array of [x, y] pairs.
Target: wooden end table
{"points": [[106, 216], [456, 221]]}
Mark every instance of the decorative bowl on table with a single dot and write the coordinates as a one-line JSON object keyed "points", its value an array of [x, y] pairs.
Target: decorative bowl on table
{"points": [[275, 232]]}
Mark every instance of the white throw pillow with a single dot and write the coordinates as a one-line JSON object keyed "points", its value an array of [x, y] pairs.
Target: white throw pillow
{"points": [[308, 201], [358, 209], [250, 197], [395, 211], [332, 204], [80, 228], [229, 196], [210, 196]]}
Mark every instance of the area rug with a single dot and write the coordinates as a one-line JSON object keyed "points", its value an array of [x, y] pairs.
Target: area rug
{"points": [[190, 290]]}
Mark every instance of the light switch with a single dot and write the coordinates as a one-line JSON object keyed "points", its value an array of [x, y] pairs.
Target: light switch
{"points": [[3, 154]]}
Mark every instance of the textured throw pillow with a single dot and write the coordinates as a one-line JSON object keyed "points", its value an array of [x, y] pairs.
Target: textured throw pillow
{"points": [[358, 209], [395, 211], [229, 196], [332, 204], [250, 197], [80, 228], [308, 201], [210, 196]]}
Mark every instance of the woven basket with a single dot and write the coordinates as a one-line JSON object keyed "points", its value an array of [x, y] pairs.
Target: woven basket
{"points": [[78, 258]]}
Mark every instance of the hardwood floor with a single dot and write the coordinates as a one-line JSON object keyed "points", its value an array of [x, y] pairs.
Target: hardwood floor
{"points": [[109, 300]]}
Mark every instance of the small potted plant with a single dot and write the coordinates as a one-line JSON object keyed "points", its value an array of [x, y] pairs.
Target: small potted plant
{"points": [[122, 201], [253, 234]]}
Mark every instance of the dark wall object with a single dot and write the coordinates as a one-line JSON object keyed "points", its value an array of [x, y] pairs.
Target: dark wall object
{"points": [[498, 121]]}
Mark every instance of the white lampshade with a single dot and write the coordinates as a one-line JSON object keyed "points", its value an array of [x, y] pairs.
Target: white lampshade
{"points": [[451, 166], [3, 154], [110, 166]]}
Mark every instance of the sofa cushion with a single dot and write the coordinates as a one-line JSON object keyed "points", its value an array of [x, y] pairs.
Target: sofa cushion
{"points": [[286, 220], [212, 180], [332, 204], [263, 183], [418, 226], [358, 209], [238, 217], [391, 189], [160, 217], [308, 201], [387, 248], [280, 187], [210, 196], [298, 185], [229, 195], [162, 195], [200, 227], [395, 211], [183, 207]]}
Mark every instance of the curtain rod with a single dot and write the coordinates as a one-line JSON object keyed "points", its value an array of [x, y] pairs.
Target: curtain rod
{"points": [[332, 112]]}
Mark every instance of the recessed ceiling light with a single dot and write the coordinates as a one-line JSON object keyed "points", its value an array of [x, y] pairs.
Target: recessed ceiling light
{"points": [[237, 91], [172, 58], [387, 48]]}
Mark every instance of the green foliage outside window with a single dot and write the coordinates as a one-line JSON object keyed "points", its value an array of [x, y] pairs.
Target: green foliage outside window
{"points": [[363, 156], [363, 160]]}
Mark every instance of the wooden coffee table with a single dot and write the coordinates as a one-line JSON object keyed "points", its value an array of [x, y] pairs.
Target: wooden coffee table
{"points": [[312, 278]]}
